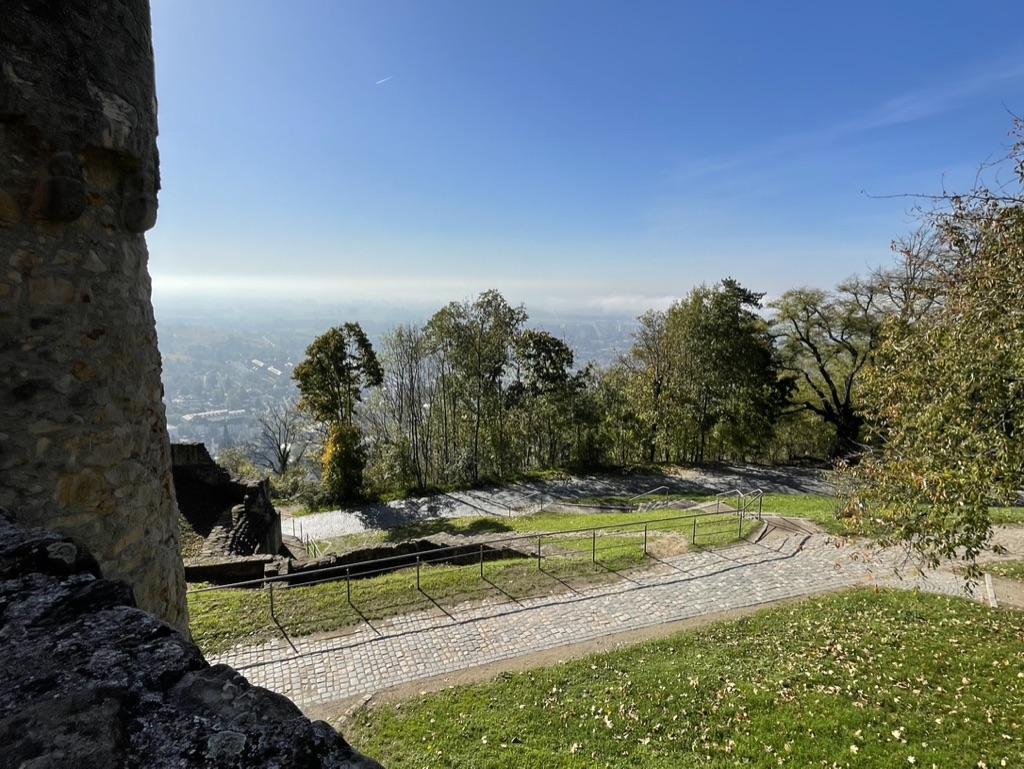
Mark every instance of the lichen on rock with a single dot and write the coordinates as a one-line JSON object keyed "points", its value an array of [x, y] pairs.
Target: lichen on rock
{"points": [[90, 681]]}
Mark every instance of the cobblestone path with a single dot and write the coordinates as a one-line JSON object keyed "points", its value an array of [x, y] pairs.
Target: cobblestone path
{"points": [[782, 564]]}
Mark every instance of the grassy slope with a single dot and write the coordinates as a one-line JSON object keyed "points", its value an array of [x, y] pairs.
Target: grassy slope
{"points": [[1009, 569], [858, 679]]}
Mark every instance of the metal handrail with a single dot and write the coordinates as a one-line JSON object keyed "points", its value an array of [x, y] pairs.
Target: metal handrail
{"points": [[644, 494], [519, 499], [757, 494], [731, 493], [741, 506], [358, 565]]}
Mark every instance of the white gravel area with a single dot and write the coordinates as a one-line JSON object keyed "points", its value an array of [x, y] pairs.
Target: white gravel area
{"points": [[498, 500]]}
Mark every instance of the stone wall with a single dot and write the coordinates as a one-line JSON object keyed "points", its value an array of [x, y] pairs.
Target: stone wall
{"points": [[83, 443], [235, 516], [89, 681]]}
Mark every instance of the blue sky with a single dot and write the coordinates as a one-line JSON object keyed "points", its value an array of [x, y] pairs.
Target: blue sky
{"points": [[578, 156]]}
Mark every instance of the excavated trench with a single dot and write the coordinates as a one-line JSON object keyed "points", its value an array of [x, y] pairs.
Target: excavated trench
{"points": [[375, 561], [356, 564]]}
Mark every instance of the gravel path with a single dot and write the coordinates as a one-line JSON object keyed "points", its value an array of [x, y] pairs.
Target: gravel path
{"points": [[497, 501]]}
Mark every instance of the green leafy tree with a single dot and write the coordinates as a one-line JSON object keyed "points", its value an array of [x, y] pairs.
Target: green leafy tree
{"points": [[543, 393], [474, 341], [403, 432], [589, 443], [649, 363], [344, 460], [725, 379], [238, 461], [827, 340], [702, 379], [339, 365], [945, 397], [624, 432]]}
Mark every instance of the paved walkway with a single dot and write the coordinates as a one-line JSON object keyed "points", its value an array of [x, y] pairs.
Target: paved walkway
{"points": [[782, 564]]}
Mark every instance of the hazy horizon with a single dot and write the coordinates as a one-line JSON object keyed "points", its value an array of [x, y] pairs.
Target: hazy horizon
{"points": [[213, 309]]}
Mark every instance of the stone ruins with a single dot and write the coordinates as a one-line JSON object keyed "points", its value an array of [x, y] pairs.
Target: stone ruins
{"points": [[83, 442]]}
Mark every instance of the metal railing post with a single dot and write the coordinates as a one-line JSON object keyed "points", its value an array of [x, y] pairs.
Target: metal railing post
{"points": [[481, 560], [418, 574], [593, 547], [538, 552], [272, 615], [693, 541], [348, 586], [645, 540], [739, 534]]}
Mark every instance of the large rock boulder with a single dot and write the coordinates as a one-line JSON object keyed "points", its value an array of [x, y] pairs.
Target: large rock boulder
{"points": [[89, 681]]}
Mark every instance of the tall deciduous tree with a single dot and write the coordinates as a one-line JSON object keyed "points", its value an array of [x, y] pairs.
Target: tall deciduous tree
{"points": [[281, 441], [703, 378], [543, 394], [401, 421], [649, 363], [725, 378], [623, 433], [827, 339], [339, 365], [945, 397], [475, 341]]}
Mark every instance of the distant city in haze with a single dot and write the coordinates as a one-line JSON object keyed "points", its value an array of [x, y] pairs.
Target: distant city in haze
{"points": [[226, 359], [324, 162]]}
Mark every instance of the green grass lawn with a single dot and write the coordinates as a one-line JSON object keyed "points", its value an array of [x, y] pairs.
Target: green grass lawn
{"points": [[527, 524], [859, 679], [222, 618], [1007, 569], [1006, 515], [822, 510], [818, 508]]}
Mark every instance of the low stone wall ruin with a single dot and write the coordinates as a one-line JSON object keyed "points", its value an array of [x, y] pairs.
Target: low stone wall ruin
{"points": [[234, 516]]}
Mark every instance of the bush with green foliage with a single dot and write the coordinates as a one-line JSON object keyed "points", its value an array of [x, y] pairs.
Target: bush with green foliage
{"points": [[344, 459]]}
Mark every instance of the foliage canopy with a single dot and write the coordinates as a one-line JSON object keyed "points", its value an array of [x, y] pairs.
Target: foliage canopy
{"points": [[945, 396], [339, 364]]}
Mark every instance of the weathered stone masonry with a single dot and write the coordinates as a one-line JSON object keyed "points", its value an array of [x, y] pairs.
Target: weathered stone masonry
{"points": [[83, 444], [90, 682]]}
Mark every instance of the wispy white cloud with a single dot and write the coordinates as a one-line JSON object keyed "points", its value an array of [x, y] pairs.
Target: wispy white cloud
{"points": [[934, 100], [910, 107], [385, 79]]}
